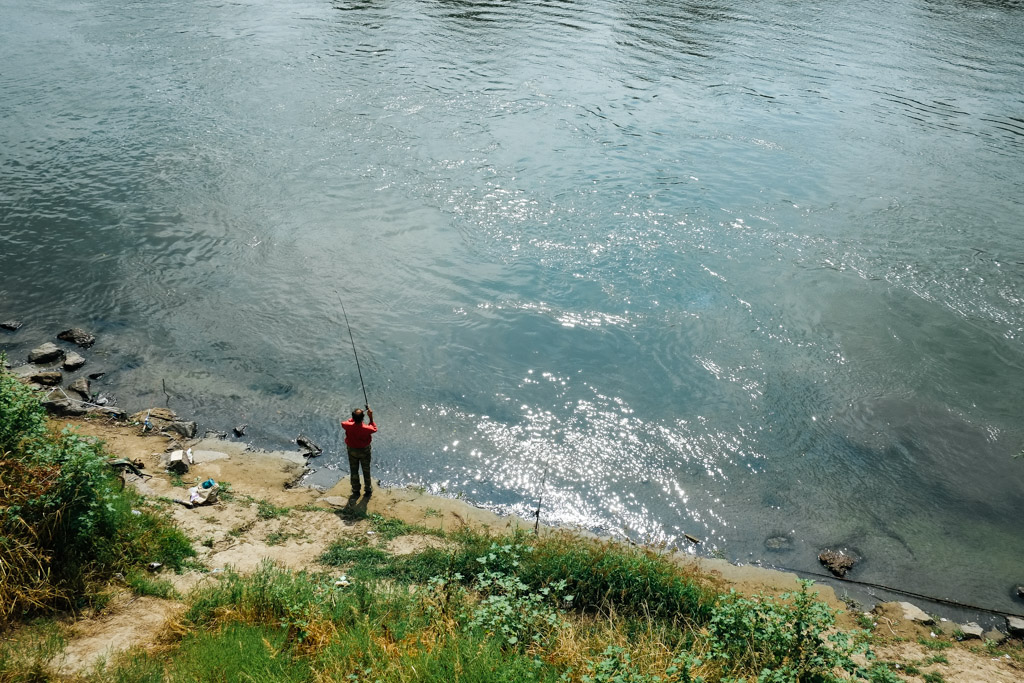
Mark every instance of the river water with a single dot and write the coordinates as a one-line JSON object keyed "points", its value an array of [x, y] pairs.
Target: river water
{"points": [[738, 270]]}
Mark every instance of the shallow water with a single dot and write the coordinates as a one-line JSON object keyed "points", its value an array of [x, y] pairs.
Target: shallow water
{"points": [[735, 271]]}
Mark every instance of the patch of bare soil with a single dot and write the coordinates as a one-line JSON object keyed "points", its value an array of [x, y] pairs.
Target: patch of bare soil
{"points": [[125, 622]]}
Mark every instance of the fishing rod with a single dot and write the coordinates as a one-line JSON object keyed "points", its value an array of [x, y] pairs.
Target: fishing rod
{"points": [[361, 383], [540, 499]]}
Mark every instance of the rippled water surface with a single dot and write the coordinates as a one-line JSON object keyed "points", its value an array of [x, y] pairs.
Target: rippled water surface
{"points": [[736, 270]]}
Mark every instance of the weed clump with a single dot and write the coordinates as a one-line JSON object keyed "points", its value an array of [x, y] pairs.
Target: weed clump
{"points": [[65, 522]]}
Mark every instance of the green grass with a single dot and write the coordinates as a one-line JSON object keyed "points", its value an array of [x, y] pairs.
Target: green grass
{"points": [[25, 653], [148, 585], [267, 510], [934, 643]]}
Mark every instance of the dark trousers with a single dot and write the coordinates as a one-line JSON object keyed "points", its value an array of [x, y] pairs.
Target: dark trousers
{"points": [[359, 457]]}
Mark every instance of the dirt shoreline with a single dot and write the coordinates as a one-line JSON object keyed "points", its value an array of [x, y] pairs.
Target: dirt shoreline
{"points": [[243, 530]]}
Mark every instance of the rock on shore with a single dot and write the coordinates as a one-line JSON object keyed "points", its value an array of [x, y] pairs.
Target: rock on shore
{"points": [[47, 353]]}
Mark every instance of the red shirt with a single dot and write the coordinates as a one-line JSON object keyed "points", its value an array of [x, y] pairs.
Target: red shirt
{"points": [[358, 434]]}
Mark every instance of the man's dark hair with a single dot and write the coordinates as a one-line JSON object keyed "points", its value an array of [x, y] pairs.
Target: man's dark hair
{"points": [[357, 414]]}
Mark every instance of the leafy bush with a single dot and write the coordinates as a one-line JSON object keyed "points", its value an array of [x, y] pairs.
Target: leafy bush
{"points": [[616, 666], [64, 521], [22, 419], [510, 610], [780, 637]]}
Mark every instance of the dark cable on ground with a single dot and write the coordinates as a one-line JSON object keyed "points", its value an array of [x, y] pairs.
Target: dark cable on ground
{"points": [[944, 601]]}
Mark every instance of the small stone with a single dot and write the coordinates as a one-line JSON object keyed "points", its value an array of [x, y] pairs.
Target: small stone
{"points": [[185, 428], [11, 325], [96, 375], [47, 353], [915, 614], [73, 361], [78, 336], [836, 562], [113, 413], [1015, 626], [336, 501], [971, 631], [81, 387], [240, 430], [1020, 592], [49, 378]]}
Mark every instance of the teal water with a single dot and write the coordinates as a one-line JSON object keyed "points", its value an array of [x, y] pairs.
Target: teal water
{"points": [[732, 270]]}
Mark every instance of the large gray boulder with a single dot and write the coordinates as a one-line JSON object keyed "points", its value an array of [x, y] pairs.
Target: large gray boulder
{"points": [[47, 353], [77, 335], [48, 378], [971, 631], [1015, 626], [63, 407]]}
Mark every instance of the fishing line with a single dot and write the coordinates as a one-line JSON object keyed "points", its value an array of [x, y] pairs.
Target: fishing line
{"points": [[351, 339]]}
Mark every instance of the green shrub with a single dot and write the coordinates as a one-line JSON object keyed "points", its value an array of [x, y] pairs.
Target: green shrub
{"points": [[616, 666], [22, 418], [65, 523], [510, 610], [780, 637]]}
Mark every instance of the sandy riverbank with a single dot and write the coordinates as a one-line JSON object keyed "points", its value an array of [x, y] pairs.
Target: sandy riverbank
{"points": [[238, 533]]}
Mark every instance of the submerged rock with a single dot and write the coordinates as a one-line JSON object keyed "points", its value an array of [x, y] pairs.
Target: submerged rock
{"points": [[47, 353], [11, 325], [73, 361], [312, 450], [240, 430], [836, 562], [78, 336], [778, 543], [96, 375]]}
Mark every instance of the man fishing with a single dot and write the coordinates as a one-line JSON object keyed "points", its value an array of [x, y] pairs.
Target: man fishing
{"points": [[357, 440]]}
